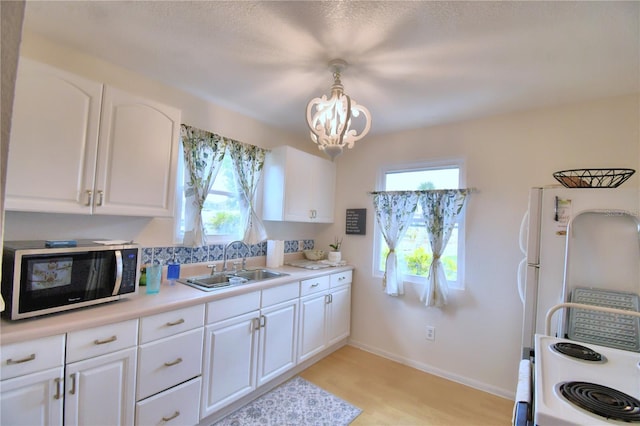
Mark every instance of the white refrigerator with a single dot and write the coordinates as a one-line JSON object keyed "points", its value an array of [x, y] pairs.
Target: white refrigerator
{"points": [[575, 237]]}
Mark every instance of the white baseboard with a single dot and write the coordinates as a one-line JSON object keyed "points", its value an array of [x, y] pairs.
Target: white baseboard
{"points": [[503, 393]]}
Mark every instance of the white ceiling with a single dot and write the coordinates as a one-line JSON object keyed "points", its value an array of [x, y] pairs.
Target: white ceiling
{"points": [[413, 64]]}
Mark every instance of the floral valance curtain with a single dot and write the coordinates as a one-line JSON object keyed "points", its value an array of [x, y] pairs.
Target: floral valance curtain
{"points": [[394, 211], [203, 155], [248, 161]]}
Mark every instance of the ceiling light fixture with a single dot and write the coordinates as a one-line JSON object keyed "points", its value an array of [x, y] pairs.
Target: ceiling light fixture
{"points": [[330, 122]]}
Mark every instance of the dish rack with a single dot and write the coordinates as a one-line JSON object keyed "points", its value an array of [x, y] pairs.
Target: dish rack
{"points": [[593, 178], [602, 328]]}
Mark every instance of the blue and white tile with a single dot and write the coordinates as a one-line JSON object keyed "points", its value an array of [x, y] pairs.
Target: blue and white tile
{"points": [[200, 254], [182, 254], [161, 255], [308, 244], [147, 256], [290, 246], [215, 252]]}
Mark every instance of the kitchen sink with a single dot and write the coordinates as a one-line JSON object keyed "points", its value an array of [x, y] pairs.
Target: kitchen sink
{"points": [[221, 280]]}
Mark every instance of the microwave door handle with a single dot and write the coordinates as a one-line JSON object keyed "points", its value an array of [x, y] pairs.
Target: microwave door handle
{"points": [[118, 283]]}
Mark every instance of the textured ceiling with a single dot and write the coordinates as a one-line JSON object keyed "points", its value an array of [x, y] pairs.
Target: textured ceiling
{"points": [[413, 64]]}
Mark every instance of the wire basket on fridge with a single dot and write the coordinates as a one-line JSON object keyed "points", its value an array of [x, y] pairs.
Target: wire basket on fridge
{"points": [[593, 178]]}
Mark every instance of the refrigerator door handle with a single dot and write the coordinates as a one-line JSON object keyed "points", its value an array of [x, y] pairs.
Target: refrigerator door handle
{"points": [[523, 233], [522, 267]]}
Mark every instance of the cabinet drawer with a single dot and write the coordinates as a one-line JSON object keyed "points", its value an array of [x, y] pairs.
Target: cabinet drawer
{"points": [[282, 293], [177, 406], [165, 363], [171, 323], [101, 340], [31, 356], [230, 307], [314, 285], [341, 278]]}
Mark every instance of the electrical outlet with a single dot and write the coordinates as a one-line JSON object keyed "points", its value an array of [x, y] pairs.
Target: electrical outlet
{"points": [[301, 245], [431, 333]]}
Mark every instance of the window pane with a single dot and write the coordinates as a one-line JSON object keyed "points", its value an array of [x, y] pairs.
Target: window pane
{"points": [[222, 214]]}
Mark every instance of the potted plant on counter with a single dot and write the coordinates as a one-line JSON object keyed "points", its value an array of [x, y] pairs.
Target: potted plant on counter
{"points": [[335, 255]]}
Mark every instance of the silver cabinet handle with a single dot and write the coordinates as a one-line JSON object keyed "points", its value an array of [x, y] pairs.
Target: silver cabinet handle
{"points": [[255, 324], [58, 382], [21, 360], [169, 364], [100, 198], [102, 342], [72, 391], [89, 198], [176, 414], [177, 322], [263, 321], [315, 285]]}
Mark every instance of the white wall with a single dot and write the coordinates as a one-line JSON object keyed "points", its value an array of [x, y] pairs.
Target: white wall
{"points": [[478, 334], [195, 112]]}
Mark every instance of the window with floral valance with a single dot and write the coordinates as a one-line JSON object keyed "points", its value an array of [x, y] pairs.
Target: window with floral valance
{"points": [[205, 155]]}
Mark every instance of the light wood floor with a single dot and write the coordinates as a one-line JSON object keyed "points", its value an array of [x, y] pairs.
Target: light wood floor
{"points": [[390, 393]]}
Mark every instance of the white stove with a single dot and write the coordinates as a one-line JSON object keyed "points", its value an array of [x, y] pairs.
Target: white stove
{"points": [[609, 373]]}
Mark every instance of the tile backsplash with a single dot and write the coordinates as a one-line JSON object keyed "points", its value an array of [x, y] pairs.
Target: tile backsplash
{"points": [[213, 253]]}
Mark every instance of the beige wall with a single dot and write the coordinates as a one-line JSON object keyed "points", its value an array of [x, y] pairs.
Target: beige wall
{"points": [[478, 334]]}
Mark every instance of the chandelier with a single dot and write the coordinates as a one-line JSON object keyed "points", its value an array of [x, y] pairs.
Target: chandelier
{"points": [[330, 119]]}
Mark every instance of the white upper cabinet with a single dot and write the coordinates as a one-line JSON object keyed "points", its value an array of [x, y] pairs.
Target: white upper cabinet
{"points": [[80, 147], [298, 187]]}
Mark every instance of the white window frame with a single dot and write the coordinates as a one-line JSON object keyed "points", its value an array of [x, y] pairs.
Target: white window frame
{"points": [[378, 240]]}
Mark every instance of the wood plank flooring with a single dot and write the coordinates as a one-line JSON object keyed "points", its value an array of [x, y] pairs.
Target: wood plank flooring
{"points": [[390, 393]]}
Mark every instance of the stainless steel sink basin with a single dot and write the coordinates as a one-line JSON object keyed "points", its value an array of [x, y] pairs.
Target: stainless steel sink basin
{"points": [[224, 279], [259, 274]]}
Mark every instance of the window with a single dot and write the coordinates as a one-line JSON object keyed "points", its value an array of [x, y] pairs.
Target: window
{"points": [[222, 212], [414, 251]]}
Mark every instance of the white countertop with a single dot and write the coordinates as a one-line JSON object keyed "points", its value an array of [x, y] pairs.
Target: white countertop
{"points": [[140, 305]]}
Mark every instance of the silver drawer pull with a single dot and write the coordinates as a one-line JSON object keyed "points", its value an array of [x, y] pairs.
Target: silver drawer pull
{"points": [[166, 419], [109, 340], [178, 322], [315, 285], [177, 361], [20, 361]]}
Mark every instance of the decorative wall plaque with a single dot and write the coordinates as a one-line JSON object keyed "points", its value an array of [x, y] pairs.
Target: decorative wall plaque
{"points": [[356, 223]]}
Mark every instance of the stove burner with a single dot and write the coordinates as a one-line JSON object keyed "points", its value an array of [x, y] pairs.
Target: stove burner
{"points": [[603, 401], [578, 351]]}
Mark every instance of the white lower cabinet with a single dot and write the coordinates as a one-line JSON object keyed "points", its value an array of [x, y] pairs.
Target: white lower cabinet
{"points": [[100, 375], [170, 367], [32, 399], [325, 313], [251, 340], [100, 390]]}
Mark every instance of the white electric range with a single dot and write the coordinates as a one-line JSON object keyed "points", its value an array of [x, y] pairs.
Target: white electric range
{"points": [[579, 383]]}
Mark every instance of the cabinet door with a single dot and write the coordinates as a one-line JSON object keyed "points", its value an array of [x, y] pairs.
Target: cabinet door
{"points": [[32, 400], [312, 325], [277, 340], [299, 178], [137, 156], [100, 390], [339, 316], [324, 188], [54, 140], [230, 355]]}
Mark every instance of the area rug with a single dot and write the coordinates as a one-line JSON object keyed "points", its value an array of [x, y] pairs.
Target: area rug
{"points": [[296, 402]]}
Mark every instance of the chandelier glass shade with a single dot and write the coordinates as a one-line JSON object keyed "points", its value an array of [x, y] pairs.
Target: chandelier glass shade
{"points": [[330, 119]]}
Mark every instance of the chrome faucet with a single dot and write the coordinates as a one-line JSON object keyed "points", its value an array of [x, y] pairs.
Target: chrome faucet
{"points": [[244, 257]]}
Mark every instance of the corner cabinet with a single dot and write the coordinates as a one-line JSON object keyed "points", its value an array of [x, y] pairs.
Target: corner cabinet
{"points": [[298, 187], [78, 146]]}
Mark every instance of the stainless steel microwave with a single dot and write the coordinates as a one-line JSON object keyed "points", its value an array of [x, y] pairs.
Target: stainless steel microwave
{"points": [[39, 280]]}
